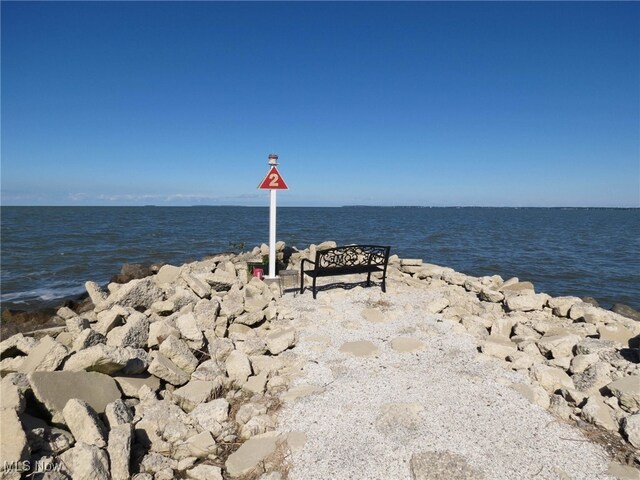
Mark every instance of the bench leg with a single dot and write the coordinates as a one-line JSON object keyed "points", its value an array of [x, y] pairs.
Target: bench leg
{"points": [[369, 279], [314, 288], [301, 282], [384, 285]]}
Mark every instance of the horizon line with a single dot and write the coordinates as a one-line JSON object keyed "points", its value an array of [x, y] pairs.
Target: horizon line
{"points": [[326, 206]]}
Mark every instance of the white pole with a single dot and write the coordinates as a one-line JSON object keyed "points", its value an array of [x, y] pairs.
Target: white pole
{"points": [[272, 235]]}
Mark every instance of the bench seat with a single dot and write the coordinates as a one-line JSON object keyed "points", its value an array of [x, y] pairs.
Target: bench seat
{"points": [[348, 260]]}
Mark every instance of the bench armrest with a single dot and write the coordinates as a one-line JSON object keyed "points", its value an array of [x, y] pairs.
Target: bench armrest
{"points": [[302, 264]]}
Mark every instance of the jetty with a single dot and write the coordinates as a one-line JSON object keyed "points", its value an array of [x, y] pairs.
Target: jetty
{"points": [[202, 371]]}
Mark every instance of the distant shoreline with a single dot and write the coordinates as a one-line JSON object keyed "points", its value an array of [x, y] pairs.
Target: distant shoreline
{"points": [[323, 206]]}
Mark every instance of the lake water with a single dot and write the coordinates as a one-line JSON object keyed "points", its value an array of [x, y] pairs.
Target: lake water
{"points": [[49, 252]]}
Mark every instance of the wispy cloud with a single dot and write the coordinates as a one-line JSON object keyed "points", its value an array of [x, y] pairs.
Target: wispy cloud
{"points": [[172, 198]]}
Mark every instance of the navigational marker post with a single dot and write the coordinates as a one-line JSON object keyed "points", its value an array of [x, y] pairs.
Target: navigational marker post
{"points": [[273, 182]]}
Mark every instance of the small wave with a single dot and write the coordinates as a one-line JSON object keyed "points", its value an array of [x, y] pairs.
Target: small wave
{"points": [[42, 294]]}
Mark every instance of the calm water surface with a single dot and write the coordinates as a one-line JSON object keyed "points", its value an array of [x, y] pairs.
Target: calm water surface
{"points": [[49, 252]]}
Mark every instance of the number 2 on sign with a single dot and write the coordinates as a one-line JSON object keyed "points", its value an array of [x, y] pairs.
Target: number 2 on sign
{"points": [[274, 179]]}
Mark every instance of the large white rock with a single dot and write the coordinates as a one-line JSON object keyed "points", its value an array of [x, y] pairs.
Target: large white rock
{"points": [[104, 359], [526, 302], [627, 390], [86, 462], [238, 367], [211, 415], [118, 413], [551, 378], [631, 429], [593, 379], [280, 340], [141, 293], [54, 389], [250, 454], [44, 357], [205, 472], [189, 329], [119, 449], [199, 287], [499, 347], [558, 346], [562, 305], [598, 413], [13, 441], [194, 393], [168, 371], [534, 393], [83, 423], [109, 319], [134, 333], [17, 344], [179, 353], [437, 305], [96, 293], [159, 331], [167, 274]]}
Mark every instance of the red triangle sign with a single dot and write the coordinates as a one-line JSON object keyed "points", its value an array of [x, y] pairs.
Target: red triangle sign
{"points": [[273, 181]]}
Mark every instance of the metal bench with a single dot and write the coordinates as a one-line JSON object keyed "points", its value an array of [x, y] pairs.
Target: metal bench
{"points": [[351, 259]]}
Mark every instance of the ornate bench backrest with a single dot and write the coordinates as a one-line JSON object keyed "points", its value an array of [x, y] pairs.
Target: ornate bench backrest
{"points": [[352, 255]]}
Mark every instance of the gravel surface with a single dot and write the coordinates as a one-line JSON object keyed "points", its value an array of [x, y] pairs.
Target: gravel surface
{"points": [[376, 411]]}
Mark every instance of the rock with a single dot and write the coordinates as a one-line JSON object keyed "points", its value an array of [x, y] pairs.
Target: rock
{"points": [[46, 356], [66, 313], [437, 305], [596, 412], [526, 302], [561, 305], [534, 393], [167, 274], [131, 385], [202, 445], [581, 362], [442, 465], [159, 331], [238, 367], [118, 413], [140, 293], [211, 415], [205, 472], [520, 360], [85, 339], [168, 371], [206, 313], [631, 429], [280, 340], [199, 287], [156, 463], [489, 295], [408, 262], [17, 344], [86, 462], [627, 390], [221, 280], [194, 393], [84, 424], [593, 379], [99, 358], [250, 454], [11, 396], [163, 307], [110, 319], [189, 329], [513, 285], [623, 472], [626, 311], [219, 348], [256, 384], [257, 425], [557, 346], [250, 318], [594, 345], [179, 353], [134, 333], [551, 378], [256, 298], [119, 449], [253, 345], [499, 347], [13, 441], [616, 333], [96, 293], [54, 389], [75, 325]]}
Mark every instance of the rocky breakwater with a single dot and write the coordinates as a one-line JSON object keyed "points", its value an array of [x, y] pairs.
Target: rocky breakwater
{"points": [[166, 377], [582, 361]]}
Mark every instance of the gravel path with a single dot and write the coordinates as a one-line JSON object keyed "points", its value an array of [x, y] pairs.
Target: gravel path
{"points": [[428, 392]]}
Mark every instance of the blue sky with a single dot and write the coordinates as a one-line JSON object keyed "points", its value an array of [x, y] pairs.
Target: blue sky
{"points": [[179, 103]]}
